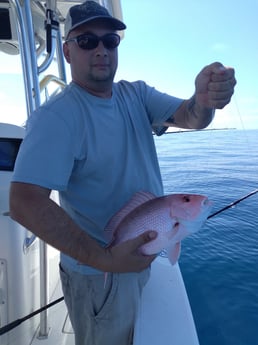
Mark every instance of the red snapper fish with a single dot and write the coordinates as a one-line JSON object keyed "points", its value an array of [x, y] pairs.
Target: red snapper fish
{"points": [[173, 217]]}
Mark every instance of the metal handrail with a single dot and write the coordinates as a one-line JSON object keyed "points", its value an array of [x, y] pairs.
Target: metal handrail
{"points": [[49, 57], [51, 78], [31, 72], [24, 51], [44, 291], [33, 58], [60, 58]]}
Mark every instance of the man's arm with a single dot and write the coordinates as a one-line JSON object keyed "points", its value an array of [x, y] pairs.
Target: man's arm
{"points": [[214, 87], [31, 206]]}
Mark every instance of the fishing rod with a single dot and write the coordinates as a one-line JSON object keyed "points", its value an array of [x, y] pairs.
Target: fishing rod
{"points": [[17, 322], [233, 203], [199, 130], [14, 324]]}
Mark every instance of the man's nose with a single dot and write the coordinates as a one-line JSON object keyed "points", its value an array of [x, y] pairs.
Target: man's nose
{"points": [[101, 49]]}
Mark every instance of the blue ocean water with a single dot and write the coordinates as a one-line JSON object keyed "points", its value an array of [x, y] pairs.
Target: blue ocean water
{"points": [[219, 264]]}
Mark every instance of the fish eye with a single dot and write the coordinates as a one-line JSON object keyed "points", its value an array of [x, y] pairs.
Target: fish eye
{"points": [[176, 224], [186, 198]]}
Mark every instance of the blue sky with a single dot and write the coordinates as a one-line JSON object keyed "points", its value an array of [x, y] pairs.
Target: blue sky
{"points": [[167, 43]]}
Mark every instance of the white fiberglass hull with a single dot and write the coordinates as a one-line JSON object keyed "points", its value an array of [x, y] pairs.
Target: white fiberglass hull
{"points": [[165, 315]]}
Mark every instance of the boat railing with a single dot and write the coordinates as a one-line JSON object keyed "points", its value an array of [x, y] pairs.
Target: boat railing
{"points": [[34, 47], [49, 80], [40, 48]]}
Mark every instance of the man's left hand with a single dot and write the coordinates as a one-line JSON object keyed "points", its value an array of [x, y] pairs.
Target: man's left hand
{"points": [[214, 86]]}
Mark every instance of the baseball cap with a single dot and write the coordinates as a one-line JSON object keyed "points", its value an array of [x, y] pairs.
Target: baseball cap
{"points": [[88, 12]]}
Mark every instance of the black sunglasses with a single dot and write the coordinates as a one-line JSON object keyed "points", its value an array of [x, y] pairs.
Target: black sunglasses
{"points": [[90, 41]]}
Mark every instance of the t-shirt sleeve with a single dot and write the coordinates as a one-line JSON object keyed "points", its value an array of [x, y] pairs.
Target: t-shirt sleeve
{"points": [[48, 141], [160, 107]]}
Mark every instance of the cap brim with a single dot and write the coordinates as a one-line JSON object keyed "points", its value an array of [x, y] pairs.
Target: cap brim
{"points": [[116, 24]]}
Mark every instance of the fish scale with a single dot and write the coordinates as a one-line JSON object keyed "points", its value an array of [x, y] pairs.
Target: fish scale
{"points": [[158, 220], [173, 217]]}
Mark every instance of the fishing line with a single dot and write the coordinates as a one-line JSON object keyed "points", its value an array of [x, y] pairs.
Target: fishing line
{"points": [[249, 146], [250, 150], [238, 112], [242, 123]]}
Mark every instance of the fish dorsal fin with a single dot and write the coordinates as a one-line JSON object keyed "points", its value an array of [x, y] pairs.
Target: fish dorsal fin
{"points": [[137, 199]]}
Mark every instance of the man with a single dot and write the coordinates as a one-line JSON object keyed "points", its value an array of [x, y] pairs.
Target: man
{"points": [[93, 143]]}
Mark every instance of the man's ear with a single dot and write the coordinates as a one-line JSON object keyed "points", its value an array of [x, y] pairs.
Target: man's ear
{"points": [[66, 52]]}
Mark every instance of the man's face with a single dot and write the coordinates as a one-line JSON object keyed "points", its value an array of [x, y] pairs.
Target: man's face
{"points": [[94, 67]]}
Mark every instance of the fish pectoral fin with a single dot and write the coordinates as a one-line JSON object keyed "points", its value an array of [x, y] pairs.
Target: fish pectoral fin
{"points": [[175, 228], [174, 253]]}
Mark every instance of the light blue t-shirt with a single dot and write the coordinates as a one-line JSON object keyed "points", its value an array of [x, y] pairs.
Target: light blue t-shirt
{"points": [[96, 152]]}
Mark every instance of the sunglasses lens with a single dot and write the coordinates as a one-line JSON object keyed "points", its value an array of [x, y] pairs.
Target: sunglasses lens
{"points": [[110, 41], [87, 42]]}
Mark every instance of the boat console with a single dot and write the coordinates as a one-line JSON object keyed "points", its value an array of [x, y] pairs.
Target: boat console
{"points": [[8, 33], [17, 263]]}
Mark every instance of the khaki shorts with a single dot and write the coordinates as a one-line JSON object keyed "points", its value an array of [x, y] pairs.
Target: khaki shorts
{"points": [[103, 316]]}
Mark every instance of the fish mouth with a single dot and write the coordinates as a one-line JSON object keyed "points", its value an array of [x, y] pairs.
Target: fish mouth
{"points": [[205, 209], [206, 205], [202, 211]]}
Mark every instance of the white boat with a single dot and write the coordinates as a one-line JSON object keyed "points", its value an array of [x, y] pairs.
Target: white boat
{"points": [[29, 277]]}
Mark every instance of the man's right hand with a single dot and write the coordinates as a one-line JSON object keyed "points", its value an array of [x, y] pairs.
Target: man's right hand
{"points": [[126, 256]]}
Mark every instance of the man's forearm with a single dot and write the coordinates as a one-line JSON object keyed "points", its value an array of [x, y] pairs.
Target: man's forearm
{"points": [[31, 206], [198, 117], [49, 222], [191, 116]]}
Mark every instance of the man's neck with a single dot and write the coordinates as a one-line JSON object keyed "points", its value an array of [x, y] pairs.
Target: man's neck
{"points": [[102, 92]]}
